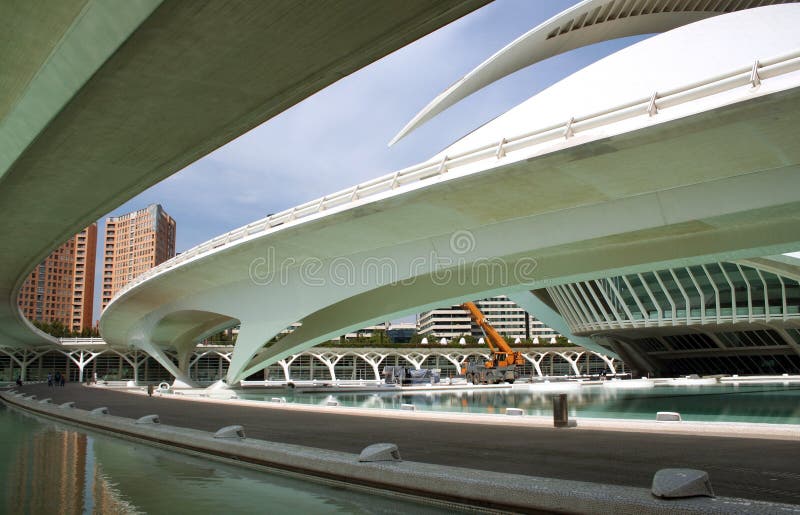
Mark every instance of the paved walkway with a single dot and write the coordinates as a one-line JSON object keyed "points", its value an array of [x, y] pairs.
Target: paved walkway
{"points": [[739, 467]]}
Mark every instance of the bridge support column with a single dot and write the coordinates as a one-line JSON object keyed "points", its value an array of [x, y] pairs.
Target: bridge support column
{"points": [[417, 362], [181, 379], [536, 362], [330, 361], [456, 362], [84, 358], [25, 359], [285, 367], [373, 360], [250, 340], [135, 361], [607, 360], [573, 361], [185, 351]]}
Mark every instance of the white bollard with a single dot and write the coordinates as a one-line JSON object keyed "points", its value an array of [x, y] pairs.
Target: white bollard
{"points": [[678, 483], [230, 432], [380, 452], [148, 419]]}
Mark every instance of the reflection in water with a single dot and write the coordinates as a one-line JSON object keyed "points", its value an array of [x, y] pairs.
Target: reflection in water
{"points": [[773, 403], [55, 471], [47, 468]]}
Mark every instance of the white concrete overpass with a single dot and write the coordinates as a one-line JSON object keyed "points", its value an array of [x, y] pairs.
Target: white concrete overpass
{"points": [[682, 152], [100, 100]]}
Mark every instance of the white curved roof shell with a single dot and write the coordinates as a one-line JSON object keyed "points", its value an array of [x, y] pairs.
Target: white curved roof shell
{"points": [[676, 58]]}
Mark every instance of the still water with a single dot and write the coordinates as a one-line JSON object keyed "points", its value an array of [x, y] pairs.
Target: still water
{"points": [[49, 468], [765, 403]]}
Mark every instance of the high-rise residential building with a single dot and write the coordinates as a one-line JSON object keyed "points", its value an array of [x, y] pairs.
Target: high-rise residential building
{"points": [[506, 317], [61, 288], [134, 243]]}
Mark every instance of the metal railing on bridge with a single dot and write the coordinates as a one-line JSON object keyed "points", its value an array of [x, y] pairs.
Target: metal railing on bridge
{"points": [[752, 74]]}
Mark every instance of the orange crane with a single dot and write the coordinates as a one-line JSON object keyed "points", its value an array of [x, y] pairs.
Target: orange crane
{"points": [[503, 364]]}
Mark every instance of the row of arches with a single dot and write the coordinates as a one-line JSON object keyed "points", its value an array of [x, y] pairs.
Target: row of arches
{"points": [[209, 365]]}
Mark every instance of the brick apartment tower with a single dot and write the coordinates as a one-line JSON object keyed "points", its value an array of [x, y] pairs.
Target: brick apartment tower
{"points": [[61, 288], [134, 243]]}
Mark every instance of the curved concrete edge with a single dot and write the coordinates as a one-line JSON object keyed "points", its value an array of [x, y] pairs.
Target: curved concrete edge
{"points": [[433, 482], [718, 429]]}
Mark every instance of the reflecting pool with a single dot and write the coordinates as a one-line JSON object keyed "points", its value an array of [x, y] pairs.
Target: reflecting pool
{"points": [[765, 403], [51, 468]]}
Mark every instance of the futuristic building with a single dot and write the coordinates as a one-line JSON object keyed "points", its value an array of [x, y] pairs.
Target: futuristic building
{"points": [[675, 152], [717, 318]]}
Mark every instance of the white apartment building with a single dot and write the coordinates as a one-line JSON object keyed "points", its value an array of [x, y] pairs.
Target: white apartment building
{"points": [[505, 316]]}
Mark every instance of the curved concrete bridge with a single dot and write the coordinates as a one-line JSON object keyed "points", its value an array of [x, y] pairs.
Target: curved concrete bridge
{"points": [[100, 100], [694, 161]]}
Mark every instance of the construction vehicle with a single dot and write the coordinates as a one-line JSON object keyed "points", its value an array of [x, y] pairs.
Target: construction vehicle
{"points": [[503, 364], [399, 375]]}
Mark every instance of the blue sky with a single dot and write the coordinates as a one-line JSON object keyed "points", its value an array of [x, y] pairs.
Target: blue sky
{"points": [[338, 137]]}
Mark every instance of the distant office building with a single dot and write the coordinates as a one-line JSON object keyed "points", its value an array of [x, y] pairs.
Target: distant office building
{"points": [[61, 288], [505, 316], [397, 332], [134, 243]]}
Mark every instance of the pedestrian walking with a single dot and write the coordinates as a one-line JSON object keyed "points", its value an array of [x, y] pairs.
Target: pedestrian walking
{"points": [[63, 380], [50, 379]]}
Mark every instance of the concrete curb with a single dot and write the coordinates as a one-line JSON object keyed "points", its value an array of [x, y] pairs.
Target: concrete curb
{"points": [[508, 492]]}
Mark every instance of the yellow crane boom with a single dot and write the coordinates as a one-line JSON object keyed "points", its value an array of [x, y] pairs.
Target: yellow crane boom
{"points": [[493, 339], [502, 353]]}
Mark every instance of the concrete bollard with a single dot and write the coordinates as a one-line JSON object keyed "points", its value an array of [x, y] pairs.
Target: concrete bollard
{"points": [[99, 411], [515, 412], [148, 419], [280, 400], [380, 452], [408, 407], [230, 432], [668, 416], [677, 483], [332, 403], [560, 410]]}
